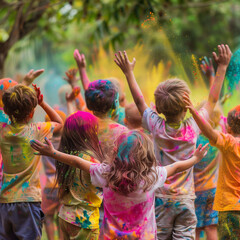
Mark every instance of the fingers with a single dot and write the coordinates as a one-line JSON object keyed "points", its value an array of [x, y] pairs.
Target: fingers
{"points": [[48, 141], [215, 57], [223, 49], [38, 73], [134, 62], [220, 51], [228, 50]]}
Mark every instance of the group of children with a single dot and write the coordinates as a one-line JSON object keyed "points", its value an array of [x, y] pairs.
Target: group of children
{"points": [[119, 166]]}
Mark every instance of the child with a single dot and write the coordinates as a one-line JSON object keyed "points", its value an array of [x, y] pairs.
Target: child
{"points": [[128, 183], [119, 113], [79, 214], [228, 189], [20, 197], [50, 201], [174, 139], [102, 99]]}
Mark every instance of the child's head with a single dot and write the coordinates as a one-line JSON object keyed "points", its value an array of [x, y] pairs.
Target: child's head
{"points": [[102, 97], [133, 165], [5, 83], [169, 98], [133, 118], [233, 120], [19, 103], [122, 96], [79, 135]]}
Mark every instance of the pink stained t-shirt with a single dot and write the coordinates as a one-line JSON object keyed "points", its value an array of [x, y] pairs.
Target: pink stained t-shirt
{"points": [[131, 216], [172, 145]]}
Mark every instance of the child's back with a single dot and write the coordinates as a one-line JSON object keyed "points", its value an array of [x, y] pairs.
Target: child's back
{"points": [[20, 196]]}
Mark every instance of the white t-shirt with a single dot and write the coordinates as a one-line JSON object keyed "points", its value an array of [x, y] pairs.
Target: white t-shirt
{"points": [[172, 145], [131, 216]]}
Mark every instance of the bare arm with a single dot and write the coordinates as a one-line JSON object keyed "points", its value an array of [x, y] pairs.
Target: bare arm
{"points": [[222, 60], [54, 117], [186, 164], [81, 62], [204, 125], [48, 150], [127, 68]]}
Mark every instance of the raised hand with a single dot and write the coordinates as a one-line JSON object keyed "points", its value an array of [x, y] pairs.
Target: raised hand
{"points": [[39, 94], [30, 76], [201, 152], [224, 55], [43, 149], [122, 61], [188, 103], [71, 96], [79, 58], [71, 76], [207, 67]]}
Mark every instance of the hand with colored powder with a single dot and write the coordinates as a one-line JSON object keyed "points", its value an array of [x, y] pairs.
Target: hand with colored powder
{"points": [[207, 67], [71, 77], [224, 56], [39, 94], [72, 96], [30, 76], [43, 149], [123, 62]]}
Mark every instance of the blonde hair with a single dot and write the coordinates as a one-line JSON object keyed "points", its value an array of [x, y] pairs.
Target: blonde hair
{"points": [[19, 102], [134, 164], [133, 116], [169, 97]]}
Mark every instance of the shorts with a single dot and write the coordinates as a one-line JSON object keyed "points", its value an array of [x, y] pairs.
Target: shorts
{"points": [[229, 225], [175, 219], [204, 208], [73, 232], [50, 201], [21, 220]]}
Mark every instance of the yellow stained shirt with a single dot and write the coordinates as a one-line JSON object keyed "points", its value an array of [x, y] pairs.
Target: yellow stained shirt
{"points": [[21, 181]]}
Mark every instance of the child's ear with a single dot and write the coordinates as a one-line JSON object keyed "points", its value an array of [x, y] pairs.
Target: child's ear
{"points": [[31, 114]]}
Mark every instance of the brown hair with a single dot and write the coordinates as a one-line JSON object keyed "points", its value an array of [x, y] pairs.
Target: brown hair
{"points": [[133, 116], [169, 97], [133, 165], [233, 119], [19, 102]]}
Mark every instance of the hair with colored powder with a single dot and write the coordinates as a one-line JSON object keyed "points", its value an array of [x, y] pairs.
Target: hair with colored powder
{"points": [[133, 165], [5, 83], [233, 120], [101, 96], [79, 136], [19, 102], [169, 97]]}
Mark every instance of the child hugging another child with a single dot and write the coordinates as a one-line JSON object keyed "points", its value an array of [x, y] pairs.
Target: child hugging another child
{"points": [[128, 183], [174, 140], [20, 197]]}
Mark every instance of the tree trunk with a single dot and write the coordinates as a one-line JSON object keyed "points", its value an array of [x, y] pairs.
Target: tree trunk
{"points": [[3, 56]]}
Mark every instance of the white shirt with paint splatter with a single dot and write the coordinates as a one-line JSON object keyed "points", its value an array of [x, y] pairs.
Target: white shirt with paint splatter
{"points": [[21, 182], [172, 145], [131, 216]]}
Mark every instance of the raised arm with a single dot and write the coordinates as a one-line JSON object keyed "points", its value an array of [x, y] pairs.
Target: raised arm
{"points": [[54, 117], [205, 127], [127, 68], [186, 164], [71, 77], [222, 61], [81, 63], [30, 76], [48, 150]]}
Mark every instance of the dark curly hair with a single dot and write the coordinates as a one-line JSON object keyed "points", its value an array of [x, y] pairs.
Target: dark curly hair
{"points": [[233, 119], [19, 102], [100, 96]]}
